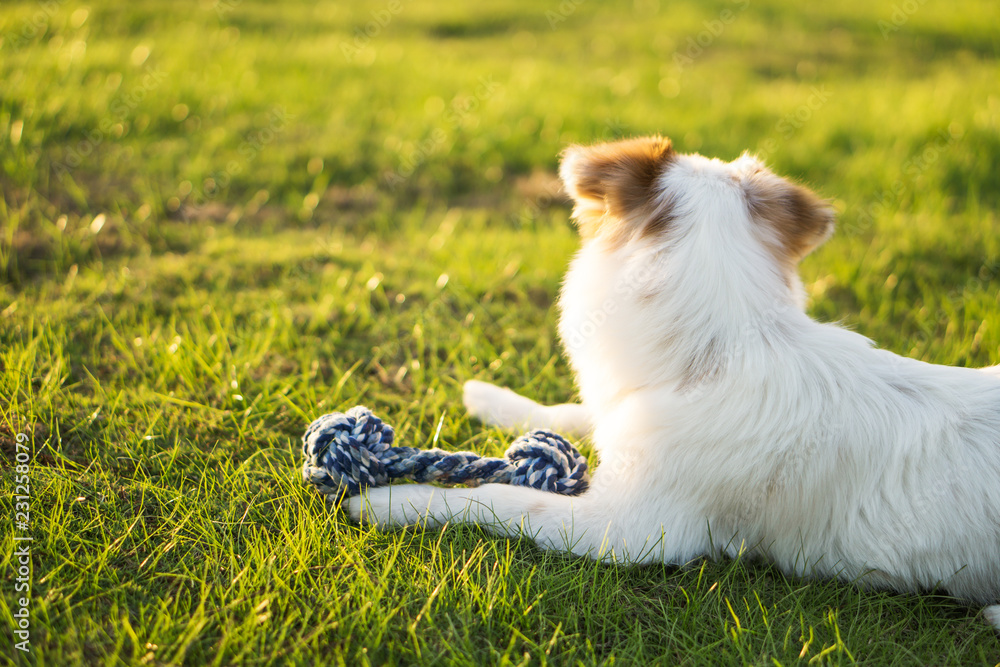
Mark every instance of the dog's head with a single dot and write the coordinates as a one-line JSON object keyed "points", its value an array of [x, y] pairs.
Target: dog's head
{"points": [[682, 253], [642, 189]]}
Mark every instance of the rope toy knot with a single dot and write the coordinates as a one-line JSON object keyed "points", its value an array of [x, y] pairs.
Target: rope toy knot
{"points": [[546, 461], [348, 452], [342, 452]]}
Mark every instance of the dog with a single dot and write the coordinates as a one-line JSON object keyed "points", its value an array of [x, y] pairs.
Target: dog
{"points": [[726, 420]]}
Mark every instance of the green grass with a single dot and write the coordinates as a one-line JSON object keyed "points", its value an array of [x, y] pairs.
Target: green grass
{"points": [[220, 220]]}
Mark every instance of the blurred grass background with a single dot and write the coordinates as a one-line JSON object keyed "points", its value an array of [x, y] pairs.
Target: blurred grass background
{"points": [[222, 218]]}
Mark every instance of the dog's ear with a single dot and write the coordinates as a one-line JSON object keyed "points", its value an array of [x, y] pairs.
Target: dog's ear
{"points": [[792, 215], [612, 184]]}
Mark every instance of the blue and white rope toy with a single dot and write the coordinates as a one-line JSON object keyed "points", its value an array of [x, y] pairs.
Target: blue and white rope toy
{"points": [[346, 453]]}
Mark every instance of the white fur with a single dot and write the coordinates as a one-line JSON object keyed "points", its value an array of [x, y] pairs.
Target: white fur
{"points": [[499, 406], [793, 440]]}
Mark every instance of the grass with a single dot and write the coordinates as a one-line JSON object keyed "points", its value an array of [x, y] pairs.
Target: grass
{"points": [[221, 219]]}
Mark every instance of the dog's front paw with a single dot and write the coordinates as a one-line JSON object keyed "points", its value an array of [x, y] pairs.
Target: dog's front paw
{"points": [[384, 506], [992, 614], [497, 406]]}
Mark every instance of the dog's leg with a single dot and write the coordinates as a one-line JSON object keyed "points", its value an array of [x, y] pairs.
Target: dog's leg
{"points": [[502, 407], [553, 521], [595, 524]]}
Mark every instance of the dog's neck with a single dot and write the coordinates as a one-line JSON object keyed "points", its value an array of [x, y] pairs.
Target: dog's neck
{"points": [[659, 315]]}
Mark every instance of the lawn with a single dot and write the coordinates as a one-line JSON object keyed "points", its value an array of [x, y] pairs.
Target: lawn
{"points": [[223, 218]]}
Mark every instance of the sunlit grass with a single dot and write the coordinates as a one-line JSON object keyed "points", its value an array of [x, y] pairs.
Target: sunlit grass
{"points": [[221, 219]]}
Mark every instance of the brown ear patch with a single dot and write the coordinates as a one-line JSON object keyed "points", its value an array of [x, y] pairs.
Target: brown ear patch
{"points": [[612, 185], [796, 217]]}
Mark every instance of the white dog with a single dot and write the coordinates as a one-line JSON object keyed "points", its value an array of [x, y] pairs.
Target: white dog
{"points": [[725, 418]]}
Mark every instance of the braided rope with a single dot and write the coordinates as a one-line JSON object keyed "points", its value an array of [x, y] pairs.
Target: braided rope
{"points": [[348, 452]]}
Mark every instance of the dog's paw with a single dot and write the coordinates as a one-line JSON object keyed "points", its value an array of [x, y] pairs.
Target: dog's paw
{"points": [[992, 615], [385, 506], [355, 508], [497, 406]]}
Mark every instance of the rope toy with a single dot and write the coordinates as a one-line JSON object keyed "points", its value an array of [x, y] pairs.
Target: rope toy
{"points": [[346, 453]]}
